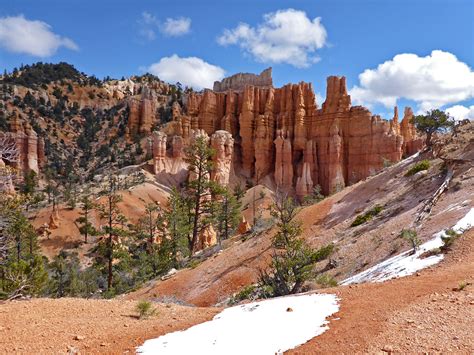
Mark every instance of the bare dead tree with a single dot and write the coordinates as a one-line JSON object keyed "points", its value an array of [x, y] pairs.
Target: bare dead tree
{"points": [[8, 154], [8, 149]]}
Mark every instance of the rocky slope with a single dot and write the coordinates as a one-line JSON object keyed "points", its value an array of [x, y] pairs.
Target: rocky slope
{"points": [[402, 199], [425, 312]]}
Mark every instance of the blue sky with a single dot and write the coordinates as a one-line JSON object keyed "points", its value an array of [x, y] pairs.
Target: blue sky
{"points": [[122, 38]]}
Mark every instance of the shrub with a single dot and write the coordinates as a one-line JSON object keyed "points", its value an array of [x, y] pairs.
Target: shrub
{"points": [[449, 239], [326, 280], [293, 259], [315, 196], [411, 236], [462, 285], [387, 162], [420, 166], [144, 309], [367, 216], [247, 292]]}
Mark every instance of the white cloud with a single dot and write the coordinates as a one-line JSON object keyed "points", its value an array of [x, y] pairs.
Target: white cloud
{"points": [[190, 71], [285, 36], [175, 27], [460, 112], [147, 23], [172, 27], [432, 81], [20, 35]]}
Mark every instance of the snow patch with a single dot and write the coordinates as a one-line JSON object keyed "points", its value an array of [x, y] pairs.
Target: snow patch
{"points": [[456, 206], [266, 327], [407, 263]]}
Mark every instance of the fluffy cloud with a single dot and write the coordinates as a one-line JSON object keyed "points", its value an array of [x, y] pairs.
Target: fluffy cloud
{"points": [[20, 35], [285, 36], [176, 26], [460, 112], [190, 71], [172, 27], [432, 81]]}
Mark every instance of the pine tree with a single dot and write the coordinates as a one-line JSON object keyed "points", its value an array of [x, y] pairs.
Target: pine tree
{"points": [[22, 269], [178, 224], [115, 220], [200, 190], [86, 228], [228, 214], [292, 259], [433, 121]]}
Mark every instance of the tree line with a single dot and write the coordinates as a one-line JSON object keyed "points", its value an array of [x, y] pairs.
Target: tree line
{"points": [[124, 254]]}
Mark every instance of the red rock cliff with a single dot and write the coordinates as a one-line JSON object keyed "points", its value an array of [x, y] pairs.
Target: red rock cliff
{"points": [[30, 147], [281, 132]]}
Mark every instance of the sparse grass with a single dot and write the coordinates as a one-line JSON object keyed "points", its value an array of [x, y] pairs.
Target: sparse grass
{"points": [[248, 292], [420, 166], [448, 241], [193, 263], [367, 216], [387, 162], [145, 309], [462, 285], [326, 280]]}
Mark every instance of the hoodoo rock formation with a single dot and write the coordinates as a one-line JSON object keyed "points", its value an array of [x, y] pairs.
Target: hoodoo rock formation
{"points": [[143, 108], [31, 155], [281, 132], [223, 145], [411, 143], [142, 115]]}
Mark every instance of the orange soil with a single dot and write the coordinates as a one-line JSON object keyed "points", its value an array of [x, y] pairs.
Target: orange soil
{"points": [[420, 313], [405, 315], [69, 325]]}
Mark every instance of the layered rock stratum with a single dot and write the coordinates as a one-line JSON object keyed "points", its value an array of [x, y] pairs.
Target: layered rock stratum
{"points": [[283, 134], [239, 81]]}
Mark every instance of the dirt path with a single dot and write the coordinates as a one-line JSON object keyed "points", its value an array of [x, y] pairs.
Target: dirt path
{"points": [[414, 314], [69, 325]]}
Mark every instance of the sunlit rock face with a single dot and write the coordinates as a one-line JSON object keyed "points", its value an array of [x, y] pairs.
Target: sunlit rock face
{"points": [[282, 133], [29, 146]]}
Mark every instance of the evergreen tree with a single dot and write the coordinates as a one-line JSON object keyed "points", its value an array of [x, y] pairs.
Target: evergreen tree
{"points": [[292, 259], [433, 121], [200, 190], [86, 228], [114, 227], [22, 269], [178, 225], [228, 214]]}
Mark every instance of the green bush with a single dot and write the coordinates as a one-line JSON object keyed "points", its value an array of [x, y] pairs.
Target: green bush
{"points": [[247, 292], [449, 239], [144, 309], [411, 236], [420, 166], [367, 216], [326, 280]]}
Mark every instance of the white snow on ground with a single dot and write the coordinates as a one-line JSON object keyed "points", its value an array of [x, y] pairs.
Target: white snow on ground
{"points": [[266, 327], [407, 263]]}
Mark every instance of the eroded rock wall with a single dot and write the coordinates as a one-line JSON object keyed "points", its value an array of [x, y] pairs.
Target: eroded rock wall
{"points": [[30, 147], [241, 80], [282, 133]]}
